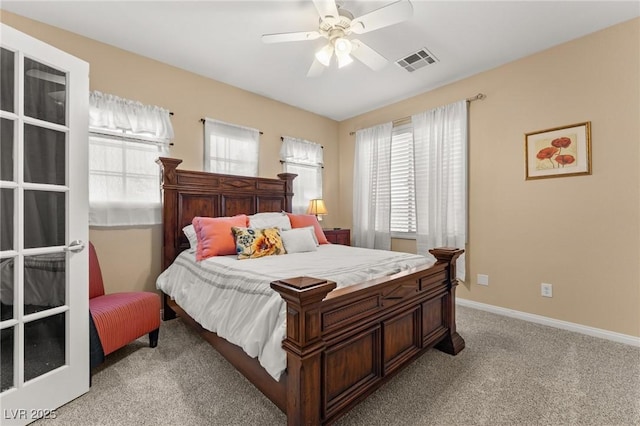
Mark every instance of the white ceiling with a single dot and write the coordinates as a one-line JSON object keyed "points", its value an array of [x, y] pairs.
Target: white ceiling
{"points": [[222, 40]]}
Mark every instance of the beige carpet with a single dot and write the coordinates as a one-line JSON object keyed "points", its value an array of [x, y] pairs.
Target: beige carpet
{"points": [[511, 373]]}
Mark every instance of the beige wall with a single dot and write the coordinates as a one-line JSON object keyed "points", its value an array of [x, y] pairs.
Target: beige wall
{"points": [[582, 234], [131, 258]]}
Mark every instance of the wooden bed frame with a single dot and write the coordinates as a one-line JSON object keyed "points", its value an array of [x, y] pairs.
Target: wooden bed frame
{"points": [[341, 344]]}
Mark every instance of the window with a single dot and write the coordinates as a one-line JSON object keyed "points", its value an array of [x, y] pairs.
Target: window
{"points": [[125, 139], [230, 149], [403, 199], [410, 181], [303, 158]]}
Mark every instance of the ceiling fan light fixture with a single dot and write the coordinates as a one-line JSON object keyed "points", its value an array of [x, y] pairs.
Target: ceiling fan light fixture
{"points": [[324, 55], [344, 59], [336, 24], [342, 46]]}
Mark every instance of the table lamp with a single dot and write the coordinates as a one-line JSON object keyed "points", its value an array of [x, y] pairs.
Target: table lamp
{"points": [[317, 207]]}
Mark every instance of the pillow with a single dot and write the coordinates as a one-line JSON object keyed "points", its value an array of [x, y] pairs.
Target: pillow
{"points": [[270, 220], [252, 243], [190, 233], [299, 240], [302, 220], [313, 234], [214, 235]]}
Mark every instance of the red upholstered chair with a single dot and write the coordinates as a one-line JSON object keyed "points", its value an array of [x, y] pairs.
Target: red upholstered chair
{"points": [[121, 318]]}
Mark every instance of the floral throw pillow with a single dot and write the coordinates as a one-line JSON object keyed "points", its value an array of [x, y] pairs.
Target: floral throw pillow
{"points": [[252, 243]]}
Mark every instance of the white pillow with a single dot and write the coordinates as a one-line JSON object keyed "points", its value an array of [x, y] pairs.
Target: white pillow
{"points": [[270, 220], [313, 234], [190, 233], [299, 240]]}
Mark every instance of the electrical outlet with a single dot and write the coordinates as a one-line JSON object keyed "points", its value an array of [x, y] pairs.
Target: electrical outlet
{"points": [[546, 290], [483, 279]]}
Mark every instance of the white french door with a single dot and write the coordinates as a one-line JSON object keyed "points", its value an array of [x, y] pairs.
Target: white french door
{"points": [[44, 323]]}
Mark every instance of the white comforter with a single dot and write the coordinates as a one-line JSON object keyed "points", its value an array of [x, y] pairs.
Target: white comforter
{"points": [[233, 297]]}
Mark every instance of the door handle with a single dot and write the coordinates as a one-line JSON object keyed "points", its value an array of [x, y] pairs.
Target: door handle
{"points": [[75, 246]]}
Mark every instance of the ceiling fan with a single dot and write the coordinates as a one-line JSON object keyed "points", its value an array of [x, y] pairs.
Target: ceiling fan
{"points": [[337, 24]]}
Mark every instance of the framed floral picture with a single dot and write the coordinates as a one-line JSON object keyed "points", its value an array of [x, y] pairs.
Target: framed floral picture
{"points": [[561, 151]]}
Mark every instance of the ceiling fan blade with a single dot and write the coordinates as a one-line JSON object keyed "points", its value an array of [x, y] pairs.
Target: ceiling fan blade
{"points": [[316, 69], [326, 8], [367, 55], [298, 36], [383, 17]]}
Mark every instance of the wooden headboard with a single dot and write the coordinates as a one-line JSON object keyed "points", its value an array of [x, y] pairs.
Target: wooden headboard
{"points": [[187, 194]]}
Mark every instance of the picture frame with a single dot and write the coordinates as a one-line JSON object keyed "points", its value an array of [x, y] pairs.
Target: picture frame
{"points": [[558, 152]]}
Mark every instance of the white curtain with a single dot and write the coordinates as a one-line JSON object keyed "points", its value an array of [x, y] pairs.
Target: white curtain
{"points": [[125, 139], [304, 158], [111, 113], [440, 149], [372, 187], [230, 149]]}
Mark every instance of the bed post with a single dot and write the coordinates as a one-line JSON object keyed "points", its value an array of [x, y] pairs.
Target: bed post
{"points": [[288, 190], [453, 342], [169, 215], [304, 346]]}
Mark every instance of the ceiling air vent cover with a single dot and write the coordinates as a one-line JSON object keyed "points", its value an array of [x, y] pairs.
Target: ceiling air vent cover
{"points": [[417, 60]]}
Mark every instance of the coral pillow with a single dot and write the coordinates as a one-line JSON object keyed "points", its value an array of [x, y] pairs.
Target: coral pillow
{"points": [[214, 235], [303, 220]]}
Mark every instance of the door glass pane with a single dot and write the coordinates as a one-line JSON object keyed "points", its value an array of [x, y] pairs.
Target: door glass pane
{"points": [[44, 92], [44, 345], [44, 155], [7, 88], [6, 218], [6, 358], [44, 282], [44, 219], [6, 149], [7, 286]]}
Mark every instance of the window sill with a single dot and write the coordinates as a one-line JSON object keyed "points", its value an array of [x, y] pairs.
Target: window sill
{"points": [[403, 235]]}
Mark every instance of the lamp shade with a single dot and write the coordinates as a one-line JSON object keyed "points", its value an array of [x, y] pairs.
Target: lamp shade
{"points": [[324, 55], [317, 207], [344, 60], [342, 46]]}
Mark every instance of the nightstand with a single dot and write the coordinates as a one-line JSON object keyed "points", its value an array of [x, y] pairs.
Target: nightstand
{"points": [[338, 236]]}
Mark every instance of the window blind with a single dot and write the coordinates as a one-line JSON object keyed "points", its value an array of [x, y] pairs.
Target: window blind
{"points": [[403, 201]]}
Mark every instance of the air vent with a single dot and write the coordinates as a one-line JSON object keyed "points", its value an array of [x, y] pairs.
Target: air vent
{"points": [[417, 60]]}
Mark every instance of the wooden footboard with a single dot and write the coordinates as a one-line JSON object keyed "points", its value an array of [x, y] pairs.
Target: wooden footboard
{"points": [[342, 345]]}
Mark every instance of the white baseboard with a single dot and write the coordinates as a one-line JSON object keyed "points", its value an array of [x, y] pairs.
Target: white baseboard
{"points": [[551, 322]]}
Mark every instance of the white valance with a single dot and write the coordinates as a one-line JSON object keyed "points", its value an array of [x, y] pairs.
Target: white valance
{"points": [[296, 150], [111, 113]]}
